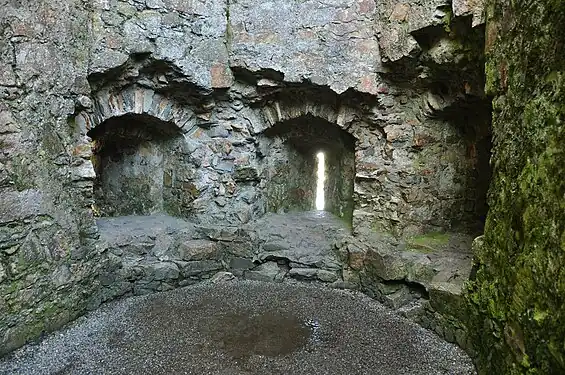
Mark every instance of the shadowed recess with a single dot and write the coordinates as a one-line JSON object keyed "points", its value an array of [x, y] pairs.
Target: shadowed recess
{"points": [[293, 156], [132, 157]]}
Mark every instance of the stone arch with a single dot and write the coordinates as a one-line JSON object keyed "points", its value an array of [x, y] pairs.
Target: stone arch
{"points": [[279, 111], [163, 123], [135, 100]]}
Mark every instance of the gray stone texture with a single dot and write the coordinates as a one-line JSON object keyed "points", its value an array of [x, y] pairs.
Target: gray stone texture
{"points": [[333, 42], [189, 93], [48, 256]]}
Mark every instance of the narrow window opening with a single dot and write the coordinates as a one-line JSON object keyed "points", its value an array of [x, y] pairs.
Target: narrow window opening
{"points": [[321, 176]]}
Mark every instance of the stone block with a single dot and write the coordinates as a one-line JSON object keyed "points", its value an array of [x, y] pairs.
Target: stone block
{"points": [[200, 267], [162, 271], [269, 271], [198, 250], [241, 264], [400, 297], [303, 273], [326, 276], [446, 298]]}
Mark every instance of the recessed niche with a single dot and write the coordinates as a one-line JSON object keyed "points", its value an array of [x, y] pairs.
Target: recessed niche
{"points": [[293, 161], [135, 158]]}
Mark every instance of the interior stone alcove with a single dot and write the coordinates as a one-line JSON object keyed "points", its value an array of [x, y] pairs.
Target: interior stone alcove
{"points": [[138, 160], [292, 164]]}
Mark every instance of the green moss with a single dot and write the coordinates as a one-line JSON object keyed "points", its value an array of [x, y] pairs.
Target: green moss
{"points": [[447, 19], [491, 78], [428, 242], [12, 287], [520, 282], [20, 174], [48, 316]]}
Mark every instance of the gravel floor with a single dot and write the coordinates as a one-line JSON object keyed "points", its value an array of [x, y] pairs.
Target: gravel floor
{"points": [[241, 327]]}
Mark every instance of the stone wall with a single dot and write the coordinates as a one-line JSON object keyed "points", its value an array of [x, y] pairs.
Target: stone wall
{"points": [[48, 254], [420, 159], [221, 76], [516, 303], [409, 179]]}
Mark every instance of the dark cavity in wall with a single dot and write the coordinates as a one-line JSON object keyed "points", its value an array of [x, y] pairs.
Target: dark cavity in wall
{"points": [[134, 158], [472, 119], [292, 164]]}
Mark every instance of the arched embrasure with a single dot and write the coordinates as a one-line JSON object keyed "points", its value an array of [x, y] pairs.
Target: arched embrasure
{"points": [[292, 164], [134, 158]]}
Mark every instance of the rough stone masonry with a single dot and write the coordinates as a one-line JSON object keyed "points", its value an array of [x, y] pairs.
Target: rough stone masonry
{"points": [[202, 120]]}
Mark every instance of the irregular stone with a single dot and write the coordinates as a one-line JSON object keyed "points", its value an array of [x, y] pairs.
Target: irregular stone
{"points": [[476, 8], [386, 265], [275, 246], [143, 288], [61, 276], [20, 205], [326, 276], [243, 173], [241, 263], [200, 267], [161, 271], [350, 276], [355, 256], [269, 271], [304, 273], [222, 277], [396, 298], [219, 234], [446, 298], [313, 274], [198, 250]]}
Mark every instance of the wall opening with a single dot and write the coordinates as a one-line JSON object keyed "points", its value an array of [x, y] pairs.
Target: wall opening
{"points": [[291, 171], [134, 157], [472, 121], [320, 178]]}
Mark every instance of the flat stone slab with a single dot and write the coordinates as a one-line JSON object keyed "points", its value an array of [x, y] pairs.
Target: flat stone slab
{"points": [[304, 238], [125, 230], [241, 327]]}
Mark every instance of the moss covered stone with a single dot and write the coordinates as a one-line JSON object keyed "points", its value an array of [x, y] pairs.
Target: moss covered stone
{"points": [[516, 304], [428, 242]]}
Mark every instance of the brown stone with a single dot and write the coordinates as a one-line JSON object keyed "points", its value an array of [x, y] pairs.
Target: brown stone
{"points": [[221, 76], [400, 12], [83, 151], [356, 257]]}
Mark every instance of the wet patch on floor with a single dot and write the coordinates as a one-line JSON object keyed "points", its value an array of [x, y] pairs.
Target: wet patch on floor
{"points": [[269, 334]]}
